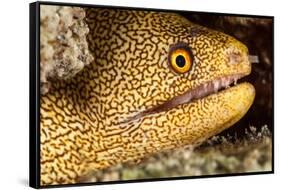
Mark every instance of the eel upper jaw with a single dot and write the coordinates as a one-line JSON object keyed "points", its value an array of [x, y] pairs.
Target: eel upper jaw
{"points": [[198, 92]]}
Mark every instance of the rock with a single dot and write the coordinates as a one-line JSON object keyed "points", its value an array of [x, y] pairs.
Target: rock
{"points": [[63, 45]]}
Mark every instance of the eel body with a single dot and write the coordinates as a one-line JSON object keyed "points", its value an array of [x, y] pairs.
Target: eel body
{"points": [[158, 82]]}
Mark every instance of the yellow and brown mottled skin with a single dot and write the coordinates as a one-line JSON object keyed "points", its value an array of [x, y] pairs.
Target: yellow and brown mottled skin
{"points": [[88, 123]]}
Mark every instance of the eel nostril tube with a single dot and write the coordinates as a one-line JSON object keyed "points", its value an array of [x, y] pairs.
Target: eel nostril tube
{"points": [[254, 59]]}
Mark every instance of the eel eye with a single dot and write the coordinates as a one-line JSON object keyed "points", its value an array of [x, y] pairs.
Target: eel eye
{"points": [[180, 58]]}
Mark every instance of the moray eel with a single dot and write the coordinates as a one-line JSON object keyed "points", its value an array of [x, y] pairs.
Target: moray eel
{"points": [[158, 82]]}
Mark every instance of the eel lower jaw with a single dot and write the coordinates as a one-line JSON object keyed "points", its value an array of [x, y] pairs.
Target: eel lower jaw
{"points": [[199, 92]]}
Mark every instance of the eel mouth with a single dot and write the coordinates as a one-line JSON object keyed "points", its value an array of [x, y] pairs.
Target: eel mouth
{"points": [[196, 93]]}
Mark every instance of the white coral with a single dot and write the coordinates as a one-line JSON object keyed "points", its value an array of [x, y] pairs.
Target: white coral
{"points": [[63, 45]]}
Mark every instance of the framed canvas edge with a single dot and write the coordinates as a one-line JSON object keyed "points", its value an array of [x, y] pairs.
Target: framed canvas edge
{"points": [[34, 95]]}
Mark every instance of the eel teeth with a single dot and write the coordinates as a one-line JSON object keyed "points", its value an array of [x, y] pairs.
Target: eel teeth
{"points": [[198, 92]]}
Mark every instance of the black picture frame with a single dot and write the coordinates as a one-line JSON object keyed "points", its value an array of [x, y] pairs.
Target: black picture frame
{"points": [[34, 96]]}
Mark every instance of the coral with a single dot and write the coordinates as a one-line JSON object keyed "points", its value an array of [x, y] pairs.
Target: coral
{"points": [[63, 45]]}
